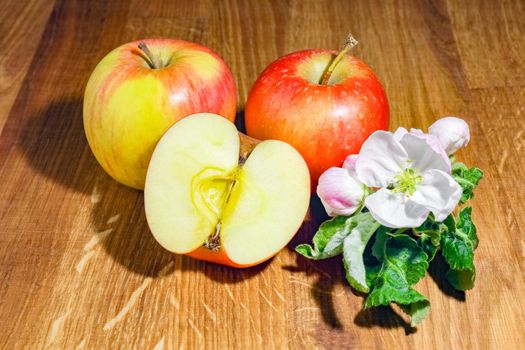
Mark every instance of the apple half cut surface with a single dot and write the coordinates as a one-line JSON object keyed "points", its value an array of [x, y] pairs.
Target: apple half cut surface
{"points": [[218, 195]]}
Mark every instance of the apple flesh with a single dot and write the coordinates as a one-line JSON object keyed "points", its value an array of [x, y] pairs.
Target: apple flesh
{"points": [[324, 122], [132, 98], [218, 196]]}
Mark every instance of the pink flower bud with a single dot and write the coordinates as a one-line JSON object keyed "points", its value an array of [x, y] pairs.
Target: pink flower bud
{"points": [[340, 192], [453, 133], [349, 163]]}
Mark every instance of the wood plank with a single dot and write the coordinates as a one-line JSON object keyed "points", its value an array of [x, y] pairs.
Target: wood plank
{"points": [[80, 268], [491, 40], [21, 26]]}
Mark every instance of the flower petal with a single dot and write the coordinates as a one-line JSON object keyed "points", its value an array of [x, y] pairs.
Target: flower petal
{"points": [[340, 192], [438, 192], [399, 133], [349, 163], [392, 209], [380, 159], [425, 152], [432, 141]]}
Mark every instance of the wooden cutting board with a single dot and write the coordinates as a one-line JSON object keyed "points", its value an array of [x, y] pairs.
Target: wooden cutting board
{"points": [[78, 265]]}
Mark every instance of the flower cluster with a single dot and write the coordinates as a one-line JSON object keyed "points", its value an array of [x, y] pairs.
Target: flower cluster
{"points": [[399, 177], [392, 214]]}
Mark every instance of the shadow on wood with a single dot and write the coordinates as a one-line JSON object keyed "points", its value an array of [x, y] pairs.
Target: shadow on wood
{"points": [[54, 144], [325, 270], [383, 317], [437, 270], [133, 246], [323, 288]]}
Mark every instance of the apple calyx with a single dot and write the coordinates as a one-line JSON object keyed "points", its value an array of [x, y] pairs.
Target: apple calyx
{"points": [[350, 43], [153, 60], [213, 242]]}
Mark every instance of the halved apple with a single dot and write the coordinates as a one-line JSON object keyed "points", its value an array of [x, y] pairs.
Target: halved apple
{"points": [[218, 195]]}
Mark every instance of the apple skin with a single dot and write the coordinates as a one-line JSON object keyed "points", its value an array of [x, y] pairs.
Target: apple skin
{"points": [[325, 123], [220, 257], [128, 105]]}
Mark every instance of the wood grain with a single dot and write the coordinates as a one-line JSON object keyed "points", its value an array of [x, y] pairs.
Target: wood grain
{"points": [[21, 26], [78, 266]]}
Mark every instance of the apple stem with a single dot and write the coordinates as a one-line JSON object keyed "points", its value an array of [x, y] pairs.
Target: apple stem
{"points": [[154, 62], [350, 43]]}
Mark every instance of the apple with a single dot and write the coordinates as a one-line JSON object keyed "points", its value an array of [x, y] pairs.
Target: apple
{"points": [[323, 106], [217, 195], [139, 90]]}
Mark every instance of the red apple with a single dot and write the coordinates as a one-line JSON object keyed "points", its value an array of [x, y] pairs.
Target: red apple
{"points": [[324, 121], [140, 89]]}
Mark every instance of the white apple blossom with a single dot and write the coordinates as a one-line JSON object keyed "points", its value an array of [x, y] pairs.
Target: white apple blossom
{"points": [[412, 173], [431, 140], [340, 191], [453, 133]]}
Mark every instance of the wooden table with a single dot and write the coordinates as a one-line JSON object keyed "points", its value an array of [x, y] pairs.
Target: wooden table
{"points": [[78, 265]]}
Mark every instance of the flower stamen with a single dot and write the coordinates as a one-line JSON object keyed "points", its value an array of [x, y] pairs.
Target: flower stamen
{"points": [[407, 181]]}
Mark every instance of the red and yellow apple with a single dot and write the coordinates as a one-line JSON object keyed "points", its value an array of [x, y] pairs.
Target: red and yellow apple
{"points": [[217, 195], [324, 120], [139, 90]]}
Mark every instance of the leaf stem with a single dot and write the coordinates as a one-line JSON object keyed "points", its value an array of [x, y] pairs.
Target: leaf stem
{"points": [[400, 231]]}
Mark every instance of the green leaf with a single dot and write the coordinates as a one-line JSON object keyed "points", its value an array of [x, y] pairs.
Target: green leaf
{"points": [[430, 233], [467, 178], [371, 273], [427, 243], [466, 226], [461, 279], [328, 240], [418, 311], [404, 253], [430, 225], [354, 247], [434, 228], [450, 223], [403, 264], [391, 286], [458, 250], [378, 248]]}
